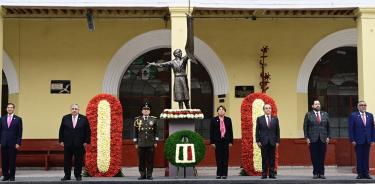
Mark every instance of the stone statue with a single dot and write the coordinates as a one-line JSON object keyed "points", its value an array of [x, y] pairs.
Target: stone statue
{"points": [[181, 88]]}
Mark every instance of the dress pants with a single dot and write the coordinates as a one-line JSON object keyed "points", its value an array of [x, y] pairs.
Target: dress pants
{"points": [[317, 153], [146, 161], [77, 152], [268, 159], [8, 161], [222, 155], [362, 152]]}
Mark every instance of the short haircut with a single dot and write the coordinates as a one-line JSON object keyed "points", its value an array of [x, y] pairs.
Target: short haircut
{"points": [[361, 101], [221, 106], [12, 104], [267, 104], [74, 105], [315, 100]]}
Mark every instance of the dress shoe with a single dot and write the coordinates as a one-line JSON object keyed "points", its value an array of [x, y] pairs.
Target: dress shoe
{"points": [[359, 177], [65, 179], [12, 179], [218, 177], [315, 176], [5, 179], [79, 178], [322, 177], [272, 176], [224, 177], [367, 177], [142, 178], [263, 177], [149, 178]]}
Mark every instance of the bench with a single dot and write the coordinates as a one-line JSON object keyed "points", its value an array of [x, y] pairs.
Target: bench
{"points": [[45, 151]]}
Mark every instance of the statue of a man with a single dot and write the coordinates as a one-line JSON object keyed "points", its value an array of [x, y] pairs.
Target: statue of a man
{"points": [[181, 88]]}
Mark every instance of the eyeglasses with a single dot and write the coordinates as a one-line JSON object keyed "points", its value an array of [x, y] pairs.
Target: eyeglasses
{"points": [[74, 108], [362, 105]]}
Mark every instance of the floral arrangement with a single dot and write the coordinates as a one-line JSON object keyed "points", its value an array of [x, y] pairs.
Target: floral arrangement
{"points": [[181, 114], [251, 108], [103, 155], [184, 148]]}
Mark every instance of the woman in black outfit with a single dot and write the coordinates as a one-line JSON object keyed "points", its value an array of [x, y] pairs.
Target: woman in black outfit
{"points": [[221, 138]]}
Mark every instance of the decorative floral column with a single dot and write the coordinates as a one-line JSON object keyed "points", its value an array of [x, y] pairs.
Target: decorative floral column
{"points": [[103, 155], [251, 108]]}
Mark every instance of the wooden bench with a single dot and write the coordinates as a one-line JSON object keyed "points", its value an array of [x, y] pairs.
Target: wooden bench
{"points": [[45, 151]]}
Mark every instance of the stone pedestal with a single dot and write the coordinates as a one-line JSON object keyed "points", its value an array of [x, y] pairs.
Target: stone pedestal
{"points": [[174, 126]]}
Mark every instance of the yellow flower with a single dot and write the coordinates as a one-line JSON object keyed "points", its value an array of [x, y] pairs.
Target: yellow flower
{"points": [[104, 136], [257, 111]]}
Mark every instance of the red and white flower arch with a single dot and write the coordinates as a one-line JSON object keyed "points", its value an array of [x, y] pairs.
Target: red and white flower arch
{"points": [[251, 108], [103, 155]]}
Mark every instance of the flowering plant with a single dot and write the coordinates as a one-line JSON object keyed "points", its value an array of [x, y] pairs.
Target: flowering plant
{"points": [[103, 155], [251, 108], [181, 114]]}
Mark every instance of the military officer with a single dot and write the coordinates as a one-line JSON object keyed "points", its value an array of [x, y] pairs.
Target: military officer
{"points": [[145, 140]]}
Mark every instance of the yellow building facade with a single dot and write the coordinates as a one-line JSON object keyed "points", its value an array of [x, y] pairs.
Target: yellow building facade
{"points": [[40, 48]]}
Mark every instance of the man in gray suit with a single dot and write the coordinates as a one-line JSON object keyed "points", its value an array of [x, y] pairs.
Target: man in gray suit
{"points": [[317, 134]]}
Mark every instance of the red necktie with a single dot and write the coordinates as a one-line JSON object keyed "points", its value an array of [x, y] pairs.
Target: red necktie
{"points": [[318, 117], [269, 121]]}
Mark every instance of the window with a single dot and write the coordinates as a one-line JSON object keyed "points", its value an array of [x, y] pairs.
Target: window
{"points": [[334, 82]]}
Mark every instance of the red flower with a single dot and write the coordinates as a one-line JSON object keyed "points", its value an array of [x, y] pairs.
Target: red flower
{"points": [[247, 131], [116, 135]]}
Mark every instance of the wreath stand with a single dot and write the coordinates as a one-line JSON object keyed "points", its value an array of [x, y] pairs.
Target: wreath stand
{"points": [[174, 126], [195, 173]]}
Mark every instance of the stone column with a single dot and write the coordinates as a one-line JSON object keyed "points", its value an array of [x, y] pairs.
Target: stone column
{"points": [[2, 11], [366, 63], [178, 39]]}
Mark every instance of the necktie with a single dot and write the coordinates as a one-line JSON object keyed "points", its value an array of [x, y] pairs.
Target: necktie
{"points": [[269, 121], [222, 127], [9, 120], [364, 119], [74, 121], [317, 117]]}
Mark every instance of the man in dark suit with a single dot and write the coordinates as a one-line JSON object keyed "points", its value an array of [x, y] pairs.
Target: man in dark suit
{"points": [[361, 135], [221, 138], [11, 136], [316, 129], [267, 136], [74, 135]]}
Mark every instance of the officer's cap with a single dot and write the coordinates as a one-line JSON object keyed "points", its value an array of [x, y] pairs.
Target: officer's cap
{"points": [[146, 106]]}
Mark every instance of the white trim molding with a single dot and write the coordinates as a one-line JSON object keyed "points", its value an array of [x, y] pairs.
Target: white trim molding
{"points": [[11, 74], [161, 39], [343, 38]]}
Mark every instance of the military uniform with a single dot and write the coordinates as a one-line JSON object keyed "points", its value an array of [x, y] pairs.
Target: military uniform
{"points": [[145, 128]]}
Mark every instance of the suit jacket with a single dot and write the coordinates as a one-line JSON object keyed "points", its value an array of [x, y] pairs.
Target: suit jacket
{"points": [[12, 135], [314, 130], [215, 134], [358, 132], [74, 136], [266, 135]]}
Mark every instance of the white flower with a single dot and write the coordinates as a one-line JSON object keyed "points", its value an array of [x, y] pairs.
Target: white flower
{"points": [[104, 136], [257, 111]]}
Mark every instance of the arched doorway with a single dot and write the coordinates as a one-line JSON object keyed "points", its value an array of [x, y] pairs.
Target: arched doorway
{"points": [[140, 84], [5, 94], [334, 82]]}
